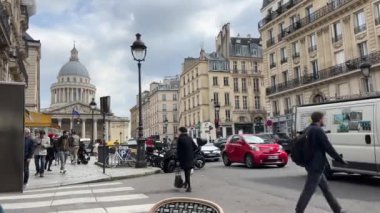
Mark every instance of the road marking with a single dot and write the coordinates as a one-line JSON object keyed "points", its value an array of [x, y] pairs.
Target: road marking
{"points": [[73, 187], [52, 194], [119, 209], [37, 204]]}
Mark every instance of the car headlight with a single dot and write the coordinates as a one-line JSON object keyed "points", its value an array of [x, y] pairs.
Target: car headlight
{"points": [[255, 148], [217, 151], [280, 147]]}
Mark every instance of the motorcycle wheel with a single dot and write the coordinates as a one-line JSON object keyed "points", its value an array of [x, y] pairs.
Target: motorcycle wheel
{"points": [[200, 163], [169, 166]]}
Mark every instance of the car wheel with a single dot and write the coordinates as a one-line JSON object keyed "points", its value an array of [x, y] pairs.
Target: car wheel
{"points": [[329, 174], [281, 165], [249, 161], [226, 161]]}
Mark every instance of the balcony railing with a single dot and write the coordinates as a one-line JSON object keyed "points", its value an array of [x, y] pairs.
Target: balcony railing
{"points": [[348, 66], [296, 55], [244, 90], [272, 65], [284, 60], [288, 111], [321, 12], [377, 21], [312, 48], [337, 38], [5, 37], [270, 42], [361, 28], [274, 14]]}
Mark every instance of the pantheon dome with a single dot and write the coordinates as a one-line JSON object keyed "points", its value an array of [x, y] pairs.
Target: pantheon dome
{"points": [[73, 84]]}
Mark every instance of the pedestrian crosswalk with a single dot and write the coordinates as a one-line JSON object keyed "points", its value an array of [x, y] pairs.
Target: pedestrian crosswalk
{"points": [[111, 197]]}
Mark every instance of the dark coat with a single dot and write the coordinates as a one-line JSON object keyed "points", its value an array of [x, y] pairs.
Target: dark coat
{"points": [[63, 143], [185, 151], [320, 145], [29, 148]]}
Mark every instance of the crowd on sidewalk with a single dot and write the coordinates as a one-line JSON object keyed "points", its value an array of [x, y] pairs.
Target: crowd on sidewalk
{"points": [[46, 149]]}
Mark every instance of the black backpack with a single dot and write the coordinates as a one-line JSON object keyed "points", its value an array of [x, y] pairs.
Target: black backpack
{"points": [[301, 152]]}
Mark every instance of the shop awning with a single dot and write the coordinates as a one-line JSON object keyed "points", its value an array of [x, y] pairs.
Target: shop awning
{"points": [[36, 119]]}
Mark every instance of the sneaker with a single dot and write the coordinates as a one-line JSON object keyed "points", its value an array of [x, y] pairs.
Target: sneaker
{"points": [[49, 170], [41, 175]]}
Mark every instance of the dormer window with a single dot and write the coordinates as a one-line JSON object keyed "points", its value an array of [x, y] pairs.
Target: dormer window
{"points": [[68, 79]]}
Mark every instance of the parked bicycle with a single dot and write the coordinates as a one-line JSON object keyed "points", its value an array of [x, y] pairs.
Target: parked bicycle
{"points": [[121, 157]]}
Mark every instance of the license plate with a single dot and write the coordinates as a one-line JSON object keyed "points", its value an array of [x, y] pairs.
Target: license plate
{"points": [[212, 154], [272, 157]]}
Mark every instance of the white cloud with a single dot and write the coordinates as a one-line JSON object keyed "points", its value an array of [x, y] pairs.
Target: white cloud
{"points": [[104, 31]]}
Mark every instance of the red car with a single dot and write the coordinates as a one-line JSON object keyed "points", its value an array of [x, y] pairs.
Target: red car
{"points": [[253, 151]]}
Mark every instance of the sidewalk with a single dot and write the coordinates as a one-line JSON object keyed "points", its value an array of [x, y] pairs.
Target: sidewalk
{"points": [[83, 174]]}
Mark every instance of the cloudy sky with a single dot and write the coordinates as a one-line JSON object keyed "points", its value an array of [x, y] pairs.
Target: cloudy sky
{"points": [[105, 29]]}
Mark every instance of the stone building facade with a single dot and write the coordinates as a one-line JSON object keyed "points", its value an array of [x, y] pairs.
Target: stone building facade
{"points": [[159, 104], [231, 77], [312, 52], [32, 93], [14, 22], [70, 110]]}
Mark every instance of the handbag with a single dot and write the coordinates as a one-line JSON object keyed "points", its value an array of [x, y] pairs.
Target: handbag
{"points": [[178, 182]]}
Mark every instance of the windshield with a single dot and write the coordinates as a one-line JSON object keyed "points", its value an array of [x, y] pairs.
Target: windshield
{"points": [[253, 139], [283, 135], [264, 136]]}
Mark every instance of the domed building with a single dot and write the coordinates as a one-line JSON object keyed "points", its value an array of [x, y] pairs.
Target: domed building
{"points": [[70, 99]]}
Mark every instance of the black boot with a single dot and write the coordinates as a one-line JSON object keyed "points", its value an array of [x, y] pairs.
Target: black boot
{"points": [[188, 189]]}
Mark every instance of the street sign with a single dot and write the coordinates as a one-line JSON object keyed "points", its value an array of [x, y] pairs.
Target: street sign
{"points": [[269, 123]]}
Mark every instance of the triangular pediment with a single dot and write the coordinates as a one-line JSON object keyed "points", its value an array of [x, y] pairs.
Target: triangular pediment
{"points": [[68, 109]]}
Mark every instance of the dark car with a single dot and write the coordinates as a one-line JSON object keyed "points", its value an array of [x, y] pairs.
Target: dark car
{"points": [[279, 138], [220, 143]]}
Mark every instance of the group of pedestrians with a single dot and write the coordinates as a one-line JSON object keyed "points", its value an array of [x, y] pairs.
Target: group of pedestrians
{"points": [[47, 149]]}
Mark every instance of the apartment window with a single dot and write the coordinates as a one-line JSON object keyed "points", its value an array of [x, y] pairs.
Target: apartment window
{"points": [[297, 73], [164, 107], [236, 85], [198, 100], [174, 97], [80, 80], [310, 13], [215, 81], [235, 66], [199, 117], [245, 102], [315, 69], [225, 81], [288, 105], [363, 50], [197, 83], [275, 108], [237, 102], [273, 81], [164, 117], [281, 29], [256, 85], [255, 66], [285, 77], [228, 115], [175, 118], [299, 100], [365, 82], [337, 32], [377, 13], [175, 107], [294, 20], [216, 98], [227, 99], [257, 102], [175, 129], [164, 97], [188, 104], [244, 85], [312, 42], [193, 101], [296, 49], [284, 57], [188, 77], [272, 60], [360, 22], [270, 41], [243, 67], [339, 57]]}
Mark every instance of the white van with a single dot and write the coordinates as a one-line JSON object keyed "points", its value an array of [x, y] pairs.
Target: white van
{"points": [[352, 128]]}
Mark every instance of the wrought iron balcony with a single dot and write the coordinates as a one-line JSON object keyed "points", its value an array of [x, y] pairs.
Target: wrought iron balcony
{"points": [[377, 21], [348, 66], [270, 42], [337, 38], [284, 60], [312, 48], [318, 14], [361, 28], [5, 37], [296, 55], [280, 10], [272, 65]]}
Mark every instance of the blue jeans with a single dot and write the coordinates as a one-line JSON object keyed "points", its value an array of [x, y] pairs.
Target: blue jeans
{"points": [[39, 160], [313, 180]]}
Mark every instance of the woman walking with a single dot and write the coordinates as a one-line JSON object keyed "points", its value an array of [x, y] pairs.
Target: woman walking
{"points": [[185, 155]]}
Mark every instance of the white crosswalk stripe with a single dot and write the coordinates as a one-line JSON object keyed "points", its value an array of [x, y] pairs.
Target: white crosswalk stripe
{"points": [[79, 197]]}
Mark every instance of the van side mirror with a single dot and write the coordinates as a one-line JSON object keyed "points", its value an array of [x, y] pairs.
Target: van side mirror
{"points": [[368, 139]]}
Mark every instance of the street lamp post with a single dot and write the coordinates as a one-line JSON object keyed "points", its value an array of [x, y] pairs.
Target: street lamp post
{"points": [[366, 70], [217, 110], [92, 107], [138, 50], [166, 122], [121, 138]]}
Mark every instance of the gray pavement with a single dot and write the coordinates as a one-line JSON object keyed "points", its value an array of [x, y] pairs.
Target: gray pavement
{"points": [[236, 188], [83, 174]]}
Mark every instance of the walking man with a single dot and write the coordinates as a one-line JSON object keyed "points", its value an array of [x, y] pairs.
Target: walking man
{"points": [[28, 154], [185, 155], [75, 147], [319, 145], [41, 144], [63, 148]]}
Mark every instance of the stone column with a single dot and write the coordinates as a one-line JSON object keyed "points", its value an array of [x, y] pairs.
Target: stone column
{"points": [[71, 123], [95, 129], [59, 122], [83, 128]]}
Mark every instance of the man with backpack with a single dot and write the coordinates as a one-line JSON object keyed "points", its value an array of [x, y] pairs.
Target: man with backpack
{"points": [[313, 158]]}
